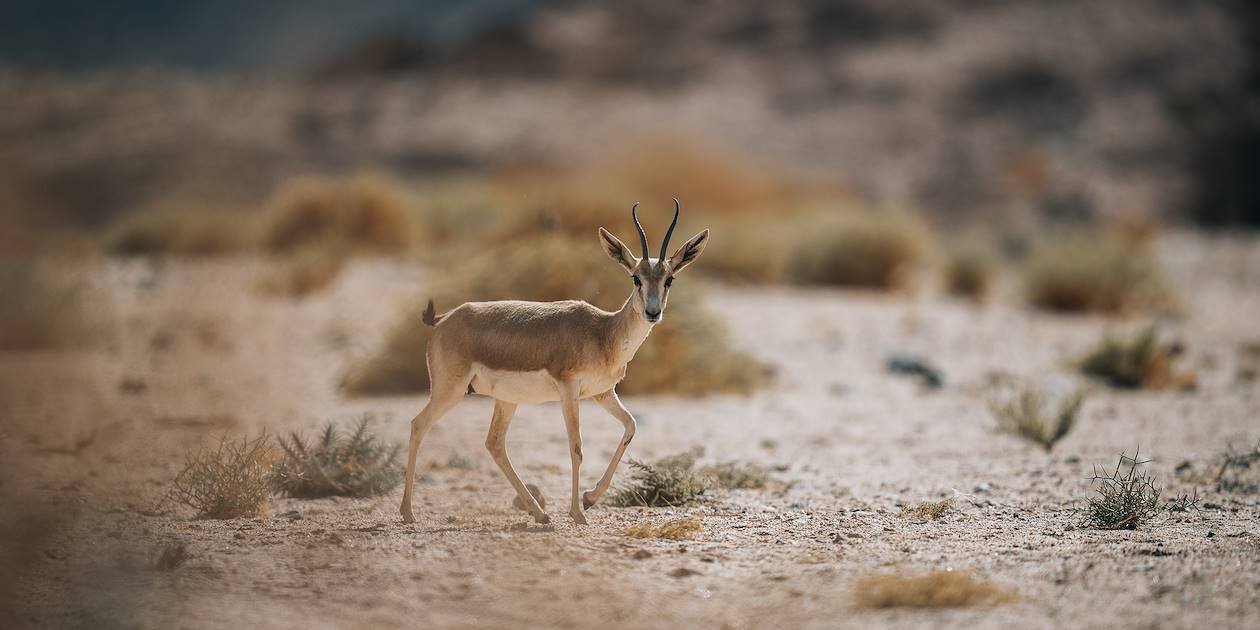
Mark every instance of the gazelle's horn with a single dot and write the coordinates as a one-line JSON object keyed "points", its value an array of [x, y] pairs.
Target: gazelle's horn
{"points": [[670, 231], [642, 234]]}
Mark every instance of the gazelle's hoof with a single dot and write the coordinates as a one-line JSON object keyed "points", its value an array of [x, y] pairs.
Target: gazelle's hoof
{"points": [[588, 499], [578, 518], [542, 519], [407, 516]]}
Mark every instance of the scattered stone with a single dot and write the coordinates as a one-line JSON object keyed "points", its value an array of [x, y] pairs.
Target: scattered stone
{"points": [[682, 572], [913, 365]]}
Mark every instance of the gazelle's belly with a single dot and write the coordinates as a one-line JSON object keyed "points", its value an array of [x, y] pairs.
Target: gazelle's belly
{"points": [[536, 386]]}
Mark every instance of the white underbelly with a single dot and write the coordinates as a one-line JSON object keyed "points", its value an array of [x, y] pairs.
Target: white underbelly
{"points": [[533, 387], [514, 387]]}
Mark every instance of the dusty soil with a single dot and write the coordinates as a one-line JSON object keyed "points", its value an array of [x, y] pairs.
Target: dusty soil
{"points": [[91, 439]]}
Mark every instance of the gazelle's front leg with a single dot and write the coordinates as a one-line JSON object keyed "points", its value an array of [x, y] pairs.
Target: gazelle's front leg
{"points": [[612, 404], [569, 404]]}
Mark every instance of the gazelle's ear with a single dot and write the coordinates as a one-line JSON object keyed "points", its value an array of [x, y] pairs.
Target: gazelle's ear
{"points": [[689, 251], [617, 250]]}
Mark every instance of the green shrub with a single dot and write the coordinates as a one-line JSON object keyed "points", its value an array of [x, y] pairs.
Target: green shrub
{"points": [[354, 465]]}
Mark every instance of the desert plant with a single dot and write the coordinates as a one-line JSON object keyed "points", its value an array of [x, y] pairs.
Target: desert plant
{"points": [[668, 482], [1033, 414], [928, 509], [938, 589], [354, 465], [363, 214], [1239, 471], [969, 270], [1102, 272], [1141, 361], [856, 249], [1125, 497], [690, 353], [170, 556], [43, 308], [677, 529], [228, 481], [193, 232]]}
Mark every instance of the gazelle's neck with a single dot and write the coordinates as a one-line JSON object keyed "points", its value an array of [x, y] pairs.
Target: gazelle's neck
{"points": [[632, 329]]}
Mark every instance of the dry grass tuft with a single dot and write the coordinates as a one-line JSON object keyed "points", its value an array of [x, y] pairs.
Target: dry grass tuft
{"points": [[1142, 361], [857, 249], [229, 481], [1126, 497], [688, 353], [354, 465], [362, 215], [1239, 471], [1104, 273], [171, 556], [668, 482], [938, 589], [677, 529], [928, 509], [42, 307], [181, 233], [1035, 415], [970, 270]]}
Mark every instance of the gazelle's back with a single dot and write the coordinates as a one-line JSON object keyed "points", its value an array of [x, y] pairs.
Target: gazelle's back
{"points": [[518, 336]]}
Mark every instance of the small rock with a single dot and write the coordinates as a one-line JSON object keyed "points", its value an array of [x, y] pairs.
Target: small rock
{"points": [[912, 365], [641, 554], [292, 515], [682, 572]]}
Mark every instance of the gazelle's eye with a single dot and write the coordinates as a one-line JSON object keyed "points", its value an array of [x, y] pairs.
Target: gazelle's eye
{"points": [[637, 281], [668, 282]]}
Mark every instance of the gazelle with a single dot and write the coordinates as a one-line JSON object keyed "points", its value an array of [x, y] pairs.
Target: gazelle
{"points": [[531, 352]]}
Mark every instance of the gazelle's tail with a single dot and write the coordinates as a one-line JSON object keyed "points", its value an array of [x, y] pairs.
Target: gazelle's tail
{"points": [[431, 318]]}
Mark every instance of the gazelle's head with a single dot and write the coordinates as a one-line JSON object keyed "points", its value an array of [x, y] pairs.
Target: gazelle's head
{"points": [[652, 277]]}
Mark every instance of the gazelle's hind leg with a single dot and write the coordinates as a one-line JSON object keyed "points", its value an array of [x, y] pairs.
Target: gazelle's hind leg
{"points": [[496, 443], [445, 393], [609, 401]]}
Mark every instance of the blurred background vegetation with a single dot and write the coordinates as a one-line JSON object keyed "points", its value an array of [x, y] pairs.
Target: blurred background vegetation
{"points": [[1026, 150]]}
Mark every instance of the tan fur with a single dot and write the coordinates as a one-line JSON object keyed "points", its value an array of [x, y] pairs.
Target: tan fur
{"points": [[521, 351]]}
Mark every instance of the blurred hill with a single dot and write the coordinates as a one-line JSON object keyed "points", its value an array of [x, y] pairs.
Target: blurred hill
{"points": [[1072, 109]]}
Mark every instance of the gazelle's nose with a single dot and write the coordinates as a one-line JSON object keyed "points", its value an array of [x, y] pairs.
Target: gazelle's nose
{"points": [[652, 315]]}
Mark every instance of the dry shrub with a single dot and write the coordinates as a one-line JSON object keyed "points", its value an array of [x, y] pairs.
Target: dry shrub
{"points": [[676, 529], [1100, 272], [1037, 415], [42, 307], [1239, 471], [1125, 497], [170, 557], [1142, 361], [938, 589], [309, 270], [857, 249], [354, 465], [688, 353], [363, 214], [748, 250], [668, 482], [969, 270], [231, 480], [200, 232], [928, 509]]}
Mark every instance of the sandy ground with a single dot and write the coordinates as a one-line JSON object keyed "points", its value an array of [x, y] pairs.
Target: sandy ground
{"points": [[195, 353]]}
